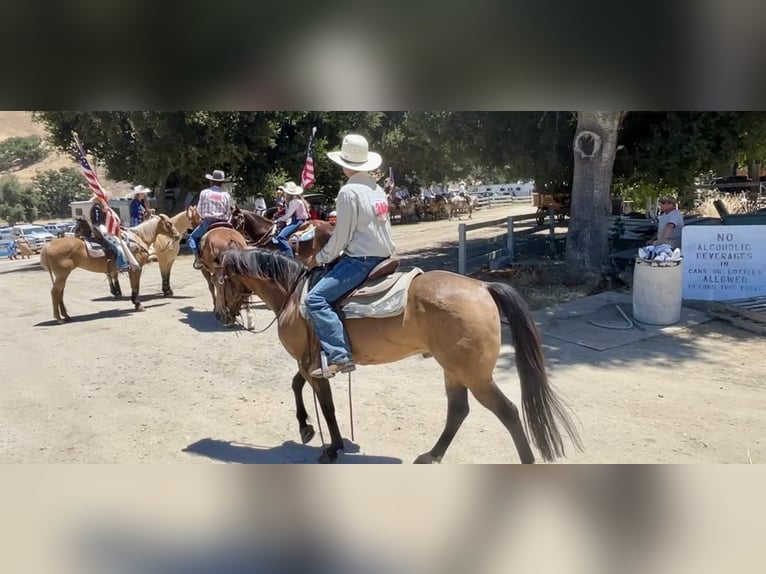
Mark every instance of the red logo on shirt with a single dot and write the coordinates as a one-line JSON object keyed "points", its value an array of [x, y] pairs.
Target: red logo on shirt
{"points": [[381, 208]]}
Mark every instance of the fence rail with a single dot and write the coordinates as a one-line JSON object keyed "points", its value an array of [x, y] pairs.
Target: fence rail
{"points": [[498, 248]]}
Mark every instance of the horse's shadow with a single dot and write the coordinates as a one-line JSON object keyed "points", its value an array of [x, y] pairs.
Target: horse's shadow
{"points": [[109, 314], [289, 452], [150, 297], [204, 321]]}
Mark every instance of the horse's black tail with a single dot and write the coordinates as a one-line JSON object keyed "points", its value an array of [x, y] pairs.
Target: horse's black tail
{"points": [[540, 404]]}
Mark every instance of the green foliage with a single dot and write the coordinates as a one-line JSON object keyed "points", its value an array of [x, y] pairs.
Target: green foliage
{"points": [[18, 201], [20, 152], [639, 192], [57, 189]]}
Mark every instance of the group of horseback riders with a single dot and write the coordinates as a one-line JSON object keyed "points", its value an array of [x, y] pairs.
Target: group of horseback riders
{"points": [[360, 241]]}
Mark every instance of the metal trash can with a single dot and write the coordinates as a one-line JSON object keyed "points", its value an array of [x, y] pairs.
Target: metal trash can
{"points": [[657, 291]]}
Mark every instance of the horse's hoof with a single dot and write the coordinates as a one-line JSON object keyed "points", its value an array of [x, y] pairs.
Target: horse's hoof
{"points": [[426, 458], [140, 307], [168, 293], [328, 456], [307, 433]]}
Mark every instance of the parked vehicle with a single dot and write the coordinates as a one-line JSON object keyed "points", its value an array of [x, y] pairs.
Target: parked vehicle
{"points": [[36, 235]]}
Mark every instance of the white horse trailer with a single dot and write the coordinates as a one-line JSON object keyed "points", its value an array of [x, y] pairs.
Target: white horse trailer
{"points": [[121, 206]]}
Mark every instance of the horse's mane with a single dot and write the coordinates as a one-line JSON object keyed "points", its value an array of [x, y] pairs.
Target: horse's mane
{"points": [[264, 264]]}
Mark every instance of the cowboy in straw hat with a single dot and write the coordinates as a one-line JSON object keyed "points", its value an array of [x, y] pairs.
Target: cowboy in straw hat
{"points": [[214, 205], [363, 235], [296, 214]]}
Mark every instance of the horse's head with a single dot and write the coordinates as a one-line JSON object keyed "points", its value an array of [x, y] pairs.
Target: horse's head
{"points": [[193, 216], [237, 219], [82, 228], [165, 227], [229, 294]]}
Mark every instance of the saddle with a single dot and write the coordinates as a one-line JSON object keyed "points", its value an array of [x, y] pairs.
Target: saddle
{"points": [[303, 234], [94, 248], [218, 225], [383, 294]]}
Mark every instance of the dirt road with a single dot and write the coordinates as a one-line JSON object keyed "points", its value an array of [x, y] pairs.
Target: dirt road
{"points": [[170, 384]]}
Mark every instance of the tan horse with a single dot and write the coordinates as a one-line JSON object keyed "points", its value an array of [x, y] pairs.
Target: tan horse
{"points": [[455, 319], [166, 250], [63, 255]]}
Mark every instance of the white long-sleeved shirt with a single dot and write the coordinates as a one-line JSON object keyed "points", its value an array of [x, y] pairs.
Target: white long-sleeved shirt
{"points": [[363, 228]]}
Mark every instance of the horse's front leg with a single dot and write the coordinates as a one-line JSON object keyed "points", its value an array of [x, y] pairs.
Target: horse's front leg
{"points": [[135, 282], [306, 430], [324, 396]]}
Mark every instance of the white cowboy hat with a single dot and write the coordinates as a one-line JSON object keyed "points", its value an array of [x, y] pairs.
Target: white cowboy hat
{"points": [[218, 175], [355, 154], [138, 189], [291, 188]]}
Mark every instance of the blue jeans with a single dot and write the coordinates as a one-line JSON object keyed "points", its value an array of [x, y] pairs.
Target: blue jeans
{"points": [[198, 232], [284, 246], [346, 275]]}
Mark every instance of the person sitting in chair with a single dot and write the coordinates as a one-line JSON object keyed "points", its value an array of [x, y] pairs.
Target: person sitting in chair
{"points": [[99, 232], [297, 213], [361, 240], [214, 205]]}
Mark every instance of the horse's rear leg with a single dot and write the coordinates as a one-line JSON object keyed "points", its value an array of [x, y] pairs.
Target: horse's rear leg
{"points": [[306, 430], [57, 297], [493, 398], [457, 410]]}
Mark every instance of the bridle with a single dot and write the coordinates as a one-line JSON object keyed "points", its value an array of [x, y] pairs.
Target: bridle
{"points": [[242, 293]]}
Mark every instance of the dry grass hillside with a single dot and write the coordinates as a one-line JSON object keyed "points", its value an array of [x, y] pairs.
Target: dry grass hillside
{"points": [[20, 124]]}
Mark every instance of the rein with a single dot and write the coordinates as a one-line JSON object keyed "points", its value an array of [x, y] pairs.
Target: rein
{"points": [[302, 276]]}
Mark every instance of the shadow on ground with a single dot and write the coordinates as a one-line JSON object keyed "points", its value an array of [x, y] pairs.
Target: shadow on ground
{"points": [[289, 452], [110, 314]]}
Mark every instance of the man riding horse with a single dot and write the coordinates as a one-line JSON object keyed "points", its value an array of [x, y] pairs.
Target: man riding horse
{"points": [[214, 206], [362, 235]]}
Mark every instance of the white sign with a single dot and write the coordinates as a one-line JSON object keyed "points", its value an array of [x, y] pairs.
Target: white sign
{"points": [[724, 262]]}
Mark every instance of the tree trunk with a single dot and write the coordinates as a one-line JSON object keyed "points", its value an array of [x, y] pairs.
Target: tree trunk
{"points": [[159, 195], [595, 145]]}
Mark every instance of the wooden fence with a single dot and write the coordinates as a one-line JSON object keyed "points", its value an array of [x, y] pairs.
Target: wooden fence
{"points": [[499, 249]]}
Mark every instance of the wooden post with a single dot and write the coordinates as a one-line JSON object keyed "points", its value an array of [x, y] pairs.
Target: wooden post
{"points": [[552, 227], [509, 239], [461, 250]]}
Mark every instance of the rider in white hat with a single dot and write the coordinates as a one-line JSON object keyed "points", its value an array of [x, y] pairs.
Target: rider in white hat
{"points": [[138, 208], [361, 240], [214, 205], [297, 213]]}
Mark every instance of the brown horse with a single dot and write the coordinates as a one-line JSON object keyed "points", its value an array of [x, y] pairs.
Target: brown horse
{"points": [[65, 254], [212, 246], [260, 230], [455, 319]]}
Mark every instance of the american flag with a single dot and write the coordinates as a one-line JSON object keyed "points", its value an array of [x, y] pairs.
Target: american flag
{"points": [[112, 220], [307, 177]]}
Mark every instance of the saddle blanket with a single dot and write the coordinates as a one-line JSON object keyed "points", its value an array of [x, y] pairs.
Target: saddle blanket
{"points": [[380, 298], [95, 249]]}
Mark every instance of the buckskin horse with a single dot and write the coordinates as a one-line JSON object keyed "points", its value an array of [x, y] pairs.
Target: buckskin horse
{"points": [[65, 254], [455, 319], [164, 248]]}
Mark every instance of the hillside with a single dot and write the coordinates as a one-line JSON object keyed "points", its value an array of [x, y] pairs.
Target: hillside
{"points": [[20, 124]]}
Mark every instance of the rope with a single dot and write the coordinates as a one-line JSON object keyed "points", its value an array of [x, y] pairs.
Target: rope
{"points": [[350, 408], [316, 410]]}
